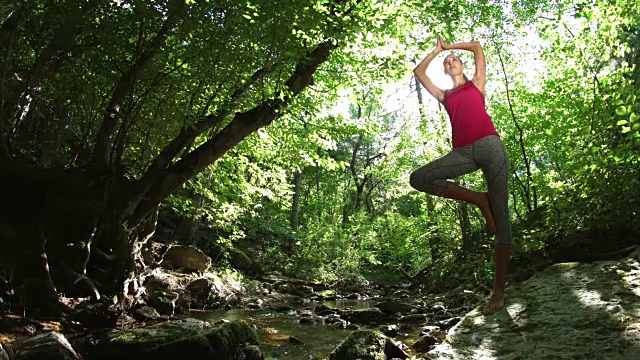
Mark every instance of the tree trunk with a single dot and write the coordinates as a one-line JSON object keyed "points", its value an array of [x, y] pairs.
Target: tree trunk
{"points": [[295, 208]]}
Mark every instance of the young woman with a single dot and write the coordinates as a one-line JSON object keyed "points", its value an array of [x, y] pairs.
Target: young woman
{"points": [[476, 145]]}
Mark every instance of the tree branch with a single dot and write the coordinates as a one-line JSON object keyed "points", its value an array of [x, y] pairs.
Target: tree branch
{"points": [[100, 156], [242, 125]]}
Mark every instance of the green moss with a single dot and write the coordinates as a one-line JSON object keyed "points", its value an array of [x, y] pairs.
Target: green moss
{"points": [[361, 344]]}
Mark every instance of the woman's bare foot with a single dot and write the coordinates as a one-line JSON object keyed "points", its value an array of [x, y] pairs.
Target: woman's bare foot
{"points": [[495, 303], [485, 209]]}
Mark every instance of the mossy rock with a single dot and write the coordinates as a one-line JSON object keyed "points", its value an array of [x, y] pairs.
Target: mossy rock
{"points": [[173, 339], [366, 345]]}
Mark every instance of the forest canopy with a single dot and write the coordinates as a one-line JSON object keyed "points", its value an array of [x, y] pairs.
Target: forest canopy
{"points": [[289, 128]]}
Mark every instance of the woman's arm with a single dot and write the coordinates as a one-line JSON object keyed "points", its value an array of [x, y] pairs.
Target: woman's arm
{"points": [[421, 73], [480, 77]]}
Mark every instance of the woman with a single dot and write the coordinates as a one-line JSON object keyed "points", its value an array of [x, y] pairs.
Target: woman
{"points": [[476, 145]]}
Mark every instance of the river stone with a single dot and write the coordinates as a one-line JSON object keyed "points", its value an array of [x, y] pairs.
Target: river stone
{"points": [[392, 307], [49, 345], [190, 338], [186, 257], [365, 316], [559, 313], [367, 345]]}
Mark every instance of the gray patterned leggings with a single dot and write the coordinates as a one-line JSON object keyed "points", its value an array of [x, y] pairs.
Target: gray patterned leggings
{"points": [[487, 154]]}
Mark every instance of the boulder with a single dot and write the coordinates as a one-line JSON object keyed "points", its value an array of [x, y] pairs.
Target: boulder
{"points": [[205, 293], [50, 345], [367, 345], [186, 257], [568, 311], [189, 338], [365, 316], [392, 307]]}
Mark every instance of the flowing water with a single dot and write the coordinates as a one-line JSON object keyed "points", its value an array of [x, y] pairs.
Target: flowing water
{"points": [[275, 328]]}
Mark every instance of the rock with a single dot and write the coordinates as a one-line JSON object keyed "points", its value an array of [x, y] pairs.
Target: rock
{"points": [[390, 330], [448, 323], [186, 257], [161, 281], [320, 308], [367, 345], [94, 315], [311, 320], [190, 338], [424, 343], [49, 345], [414, 319], [146, 312], [205, 293], [332, 318], [365, 316], [253, 352], [559, 313], [392, 307], [163, 301], [281, 307], [353, 296]]}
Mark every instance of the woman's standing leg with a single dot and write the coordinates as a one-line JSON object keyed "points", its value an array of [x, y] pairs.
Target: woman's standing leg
{"points": [[491, 155]]}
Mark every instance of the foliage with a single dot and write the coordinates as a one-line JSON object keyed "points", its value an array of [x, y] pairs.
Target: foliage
{"points": [[570, 119]]}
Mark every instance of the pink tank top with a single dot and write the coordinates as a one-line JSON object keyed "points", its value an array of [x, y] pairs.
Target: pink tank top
{"points": [[469, 118]]}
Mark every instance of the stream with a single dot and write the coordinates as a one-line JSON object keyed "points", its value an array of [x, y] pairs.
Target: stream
{"points": [[275, 328]]}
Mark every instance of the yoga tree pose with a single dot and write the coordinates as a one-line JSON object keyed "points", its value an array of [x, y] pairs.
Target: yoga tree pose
{"points": [[476, 145]]}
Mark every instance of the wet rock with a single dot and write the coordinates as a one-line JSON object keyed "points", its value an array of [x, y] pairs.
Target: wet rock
{"points": [[414, 319], [161, 281], [424, 343], [305, 312], [177, 339], [205, 293], [342, 324], [367, 345], [392, 307], [321, 308], [311, 320], [253, 352], [332, 318], [365, 316], [146, 312], [186, 257], [390, 330], [281, 307], [448, 323], [163, 301], [353, 296], [49, 345], [94, 315]]}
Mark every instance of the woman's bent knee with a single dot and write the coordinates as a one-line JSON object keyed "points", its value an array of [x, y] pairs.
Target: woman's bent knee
{"points": [[419, 181]]}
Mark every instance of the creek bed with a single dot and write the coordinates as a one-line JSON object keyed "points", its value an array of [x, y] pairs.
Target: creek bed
{"points": [[275, 328]]}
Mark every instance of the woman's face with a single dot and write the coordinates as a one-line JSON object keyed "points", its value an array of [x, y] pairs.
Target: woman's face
{"points": [[452, 65]]}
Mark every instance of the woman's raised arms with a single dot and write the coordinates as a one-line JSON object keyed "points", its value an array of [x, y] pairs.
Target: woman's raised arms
{"points": [[421, 74]]}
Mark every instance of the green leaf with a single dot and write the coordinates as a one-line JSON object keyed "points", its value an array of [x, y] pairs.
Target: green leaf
{"points": [[618, 102], [636, 126], [622, 111], [631, 99], [625, 129], [634, 117], [622, 122]]}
